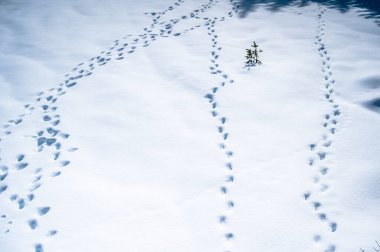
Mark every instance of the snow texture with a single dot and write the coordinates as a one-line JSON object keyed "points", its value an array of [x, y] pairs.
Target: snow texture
{"points": [[158, 138]]}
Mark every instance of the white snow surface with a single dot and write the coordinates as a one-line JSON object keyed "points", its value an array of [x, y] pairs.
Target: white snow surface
{"points": [[149, 135]]}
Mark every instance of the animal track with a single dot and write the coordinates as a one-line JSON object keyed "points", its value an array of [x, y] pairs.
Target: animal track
{"points": [[43, 210], [51, 137], [216, 70], [33, 224], [321, 150], [38, 248], [52, 232], [3, 188]]}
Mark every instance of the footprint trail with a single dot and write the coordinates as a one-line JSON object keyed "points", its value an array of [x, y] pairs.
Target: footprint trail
{"points": [[322, 151], [50, 142], [222, 122]]}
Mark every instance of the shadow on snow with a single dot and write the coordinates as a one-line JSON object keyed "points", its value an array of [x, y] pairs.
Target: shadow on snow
{"points": [[370, 8]]}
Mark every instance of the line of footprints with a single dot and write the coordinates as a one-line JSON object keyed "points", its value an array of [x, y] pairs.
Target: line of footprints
{"points": [[50, 144], [215, 69], [50, 140], [319, 160]]}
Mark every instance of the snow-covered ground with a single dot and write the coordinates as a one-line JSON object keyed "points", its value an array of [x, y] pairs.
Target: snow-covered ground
{"points": [[149, 135]]}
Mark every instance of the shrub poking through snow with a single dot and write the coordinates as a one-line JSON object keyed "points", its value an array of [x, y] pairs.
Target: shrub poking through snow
{"points": [[252, 56]]}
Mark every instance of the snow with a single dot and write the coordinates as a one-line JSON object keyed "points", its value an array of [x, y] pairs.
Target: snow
{"points": [[171, 145]]}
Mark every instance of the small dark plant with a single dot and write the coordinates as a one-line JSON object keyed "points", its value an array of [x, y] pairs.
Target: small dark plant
{"points": [[252, 56]]}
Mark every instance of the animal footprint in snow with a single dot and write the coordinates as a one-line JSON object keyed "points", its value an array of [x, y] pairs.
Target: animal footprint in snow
{"points": [[72, 149], [3, 177], [56, 155], [209, 96], [317, 238], [230, 178], [55, 123], [333, 226], [324, 187], [20, 157], [322, 155], [33, 224], [50, 141], [31, 197], [71, 84], [38, 248], [230, 204], [322, 216], [307, 195], [222, 219], [64, 135], [52, 232], [336, 112], [13, 197], [225, 136], [52, 131], [229, 166], [327, 144], [18, 121], [64, 163], [43, 210], [316, 205], [220, 129], [21, 166], [229, 154], [21, 203], [41, 141], [330, 248], [311, 161], [229, 236], [223, 190], [324, 170], [35, 187], [55, 174]]}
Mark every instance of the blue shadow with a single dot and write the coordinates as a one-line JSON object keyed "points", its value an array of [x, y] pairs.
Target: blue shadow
{"points": [[371, 7]]}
